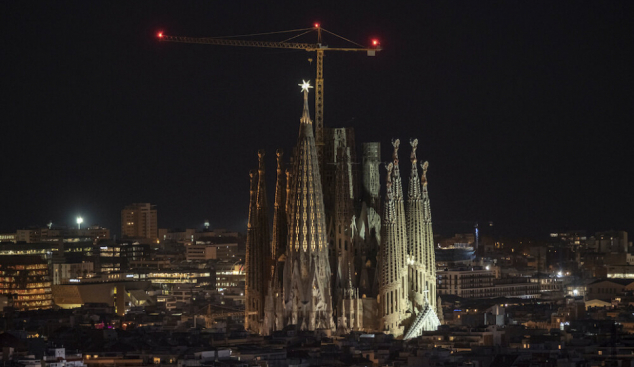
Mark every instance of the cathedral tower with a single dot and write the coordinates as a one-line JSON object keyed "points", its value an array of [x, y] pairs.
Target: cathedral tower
{"points": [[400, 219], [307, 274], [391, 287], [343, 234], [273, 311], [429, 255], [422, 265], [280, 225], [258, 257], [416, 235]]}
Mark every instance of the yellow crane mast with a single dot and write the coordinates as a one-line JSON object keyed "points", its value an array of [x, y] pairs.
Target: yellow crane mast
{"points": [[318, 47]]}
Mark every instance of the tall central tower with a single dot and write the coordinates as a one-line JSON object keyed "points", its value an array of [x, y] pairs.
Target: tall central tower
{"points": [[307, 273]]}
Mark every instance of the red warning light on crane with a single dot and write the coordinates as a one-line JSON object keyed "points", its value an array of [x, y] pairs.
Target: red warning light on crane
{"points": [[160, 34], [316, 25], [375, 42]]}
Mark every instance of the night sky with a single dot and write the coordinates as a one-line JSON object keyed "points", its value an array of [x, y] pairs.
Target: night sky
{"points": [[524, 109]]}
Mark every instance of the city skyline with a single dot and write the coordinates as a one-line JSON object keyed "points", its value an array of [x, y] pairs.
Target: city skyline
{"points": [[520, 109]]}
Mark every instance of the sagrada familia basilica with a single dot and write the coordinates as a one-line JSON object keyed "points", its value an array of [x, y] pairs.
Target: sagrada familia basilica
{"points": [[340, 257]]}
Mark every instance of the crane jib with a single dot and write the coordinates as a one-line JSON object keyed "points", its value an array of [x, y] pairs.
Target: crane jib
{"points": [[245, 43]]}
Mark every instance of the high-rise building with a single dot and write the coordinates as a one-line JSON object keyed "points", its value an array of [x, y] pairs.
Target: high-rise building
{"points": [[139, 221]]}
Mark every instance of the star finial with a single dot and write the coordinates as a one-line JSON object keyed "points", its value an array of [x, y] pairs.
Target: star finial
{"points": [[305, 85]]}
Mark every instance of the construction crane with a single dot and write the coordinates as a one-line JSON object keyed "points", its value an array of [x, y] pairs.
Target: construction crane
{"points": [[318, 47]]}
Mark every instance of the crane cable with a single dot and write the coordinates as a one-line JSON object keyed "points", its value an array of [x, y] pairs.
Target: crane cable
{"points": [[301, 34], [343, 38], [263, 34]]}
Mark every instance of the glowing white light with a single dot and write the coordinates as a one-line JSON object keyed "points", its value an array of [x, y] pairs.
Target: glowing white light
{"points": [[80, 220], [560, 274], [575, 292], [305, 85], [488, 267]]}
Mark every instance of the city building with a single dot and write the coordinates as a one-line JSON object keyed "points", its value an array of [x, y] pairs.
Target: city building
{"points": [[57, 357], [26, 281], [479, 282], [606, 289], [8, 237], [30, 235], [117, 256], [57, 234], [63, 273], [118, 294], [213, 249], [191, 234], [139, 221], [611, 241]]}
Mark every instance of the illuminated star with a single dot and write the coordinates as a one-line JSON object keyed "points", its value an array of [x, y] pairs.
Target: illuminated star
{"points": [[305, 85]]}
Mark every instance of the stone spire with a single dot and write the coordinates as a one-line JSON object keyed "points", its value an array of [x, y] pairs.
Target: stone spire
{"points": [[280, 225], [429, 256], [399, 205], [273, 312], [258, 251], [391, 285], [307, 273], [400, 217], [344, 212], [262, 206], [415, 234], [422, 268], [343, 241], [414, 181]]}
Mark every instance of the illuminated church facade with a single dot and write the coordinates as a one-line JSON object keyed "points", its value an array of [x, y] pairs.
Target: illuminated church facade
{"points": [[340, 257]]}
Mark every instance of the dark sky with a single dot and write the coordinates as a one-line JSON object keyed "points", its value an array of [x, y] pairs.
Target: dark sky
{"points": [[523, 108]]}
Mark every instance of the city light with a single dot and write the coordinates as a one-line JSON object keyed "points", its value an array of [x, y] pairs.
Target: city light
{"points": [[80, 220]]}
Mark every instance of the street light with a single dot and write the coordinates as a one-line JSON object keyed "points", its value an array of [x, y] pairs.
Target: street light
{"points": [[80, 220]]}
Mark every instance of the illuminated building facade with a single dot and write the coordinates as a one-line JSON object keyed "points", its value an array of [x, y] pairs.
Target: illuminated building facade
{"points": [[117, 256], [26, 281], [62, 273], [333, 263], [8, 237], [139, 220], [59, 234], [479, 282], [230, 275]]}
